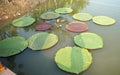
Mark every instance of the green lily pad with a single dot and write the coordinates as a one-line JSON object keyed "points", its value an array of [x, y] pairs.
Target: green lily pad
{"points": [[89, 40], [73, 59], [12, 46], [49, 15], [23, 21], [82, 16], [63, 10], [42, 41], [103, 20]]}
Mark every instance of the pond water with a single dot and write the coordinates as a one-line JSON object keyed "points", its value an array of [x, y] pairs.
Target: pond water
{"points": [[106, 61]]}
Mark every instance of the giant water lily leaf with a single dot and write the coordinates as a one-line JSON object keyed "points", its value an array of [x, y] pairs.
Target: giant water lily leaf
{"points": [[23, 21], [82, 16], [103, 20], [41, 41], [12, 46], [73, 59], [43, 26], [77, 26], [49, 15], [89, 40], [63, 10]]}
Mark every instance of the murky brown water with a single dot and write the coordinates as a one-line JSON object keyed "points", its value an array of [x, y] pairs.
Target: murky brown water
{"points": [[106, 61]]}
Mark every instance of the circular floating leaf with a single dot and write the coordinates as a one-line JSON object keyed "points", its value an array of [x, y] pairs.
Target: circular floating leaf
{"points": [[49, 15], [73, 59], [77, 26], [88, 40], [82, 16], [103, 20], [12, 46], [41, 41], [43, 26], [64, 10], [23, 21]]}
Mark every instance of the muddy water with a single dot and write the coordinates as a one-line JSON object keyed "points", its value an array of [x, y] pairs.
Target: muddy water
{"points": [[106, 61]]}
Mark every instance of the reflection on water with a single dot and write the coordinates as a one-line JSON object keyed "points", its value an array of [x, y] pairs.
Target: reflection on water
{"points": [[23, 6], [15, 8], [76, 5], [105, 61]]}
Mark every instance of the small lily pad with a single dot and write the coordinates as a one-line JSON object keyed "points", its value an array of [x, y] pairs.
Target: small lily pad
{"points": [[49, 15], [82, 16], [23, 21], [42, 41], [73, 59], [12, 46], [103, 20], [89, 40], [43, 26], [77, 26], [63, 10]]}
